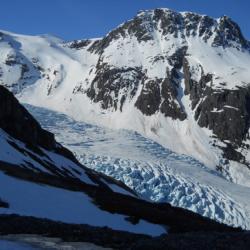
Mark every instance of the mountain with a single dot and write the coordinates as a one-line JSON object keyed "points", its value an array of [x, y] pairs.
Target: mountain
{"points": [[179, 79], [46, 191]]}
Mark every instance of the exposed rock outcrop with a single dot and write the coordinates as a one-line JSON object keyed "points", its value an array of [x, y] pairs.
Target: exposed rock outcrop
{"points": [[19, 123]]}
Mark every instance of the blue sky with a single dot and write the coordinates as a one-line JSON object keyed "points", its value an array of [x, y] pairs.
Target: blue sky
{"points": [[75, 19]]}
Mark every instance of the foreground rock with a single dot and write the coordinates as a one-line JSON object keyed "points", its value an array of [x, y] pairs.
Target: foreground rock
{"points": [[14, 225]]}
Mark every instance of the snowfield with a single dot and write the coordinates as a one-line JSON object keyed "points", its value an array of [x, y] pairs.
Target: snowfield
{"points": [[43, 201], [153, 171]]}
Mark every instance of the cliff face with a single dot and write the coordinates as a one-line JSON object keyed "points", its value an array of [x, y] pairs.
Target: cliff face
{"points": [[225, 112], [17, 122]]}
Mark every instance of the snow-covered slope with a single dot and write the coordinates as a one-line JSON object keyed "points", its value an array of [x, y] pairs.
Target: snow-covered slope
{"points": [[154, 172], [181, 79], [42, 201]]}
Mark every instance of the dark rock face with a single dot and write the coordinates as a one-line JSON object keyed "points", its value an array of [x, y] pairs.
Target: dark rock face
{"points": [[3, 204], [196, 241], [228, 33], [102, 236], [176, 60], [170, 106], [106, 237], [112, 85], [170, 22], [79, 44], [161, 95], [196, 90], [149, 99], [18, 123], [225, 112], [231, 121]]}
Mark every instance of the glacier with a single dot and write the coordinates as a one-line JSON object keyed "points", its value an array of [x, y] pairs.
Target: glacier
{"points": [[154, 172]]}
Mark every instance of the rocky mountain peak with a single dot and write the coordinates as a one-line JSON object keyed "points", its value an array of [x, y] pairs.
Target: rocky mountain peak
{"points": [[161, 65], [168, 23], [228, 33]]}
